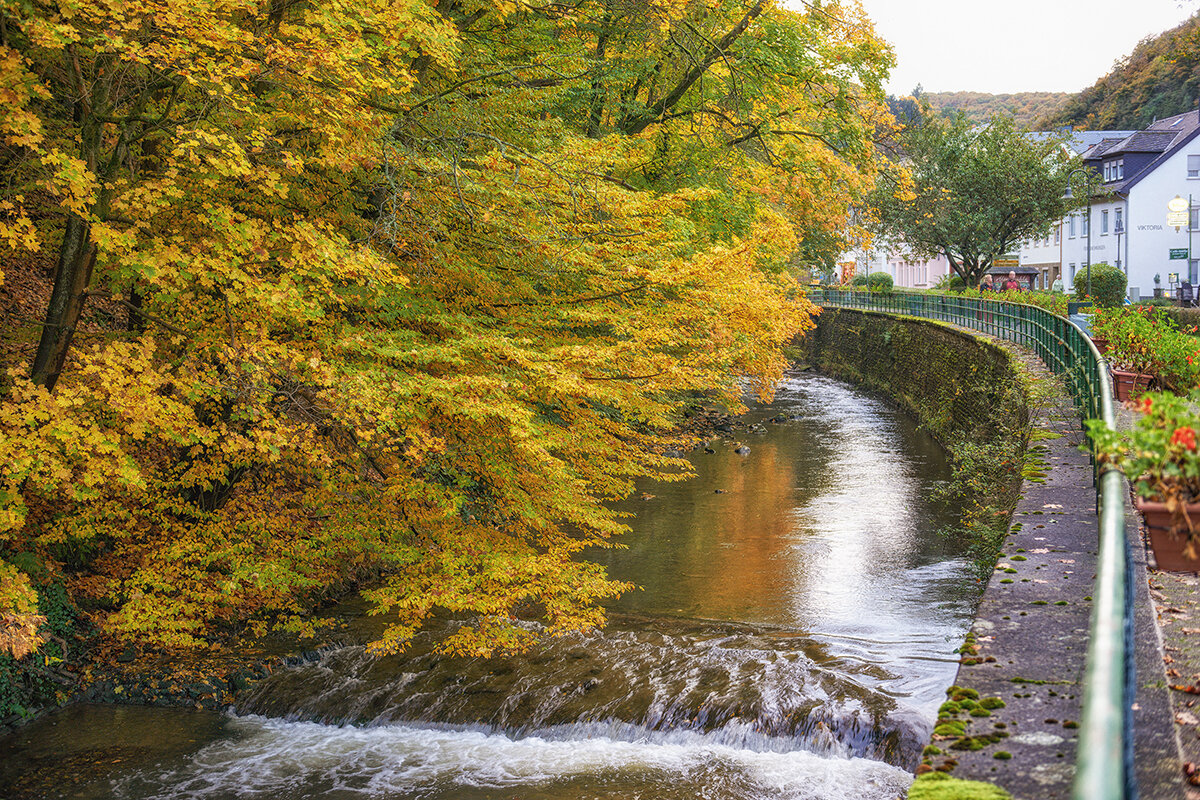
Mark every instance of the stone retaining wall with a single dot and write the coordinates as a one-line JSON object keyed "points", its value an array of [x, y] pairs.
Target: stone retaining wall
{"points": [[959, 387]]}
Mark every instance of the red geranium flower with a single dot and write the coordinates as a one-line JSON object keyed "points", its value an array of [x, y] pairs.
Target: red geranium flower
{"points": [[1184, 436]]}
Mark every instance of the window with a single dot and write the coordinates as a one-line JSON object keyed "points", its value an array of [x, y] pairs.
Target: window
{"points": [[1071, 226], [1107, 171], [1194, 166], [1120, 168], [1084, 220], [1118, 220], [1058, 233], [1104, 222], [1194, 218], [1072, 273]]}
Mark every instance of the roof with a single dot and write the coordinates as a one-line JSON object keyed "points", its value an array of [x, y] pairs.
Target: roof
{"points": [[1163, 139], [1081, 141], [1103, 146], [1023, 269], [1146, 142]]}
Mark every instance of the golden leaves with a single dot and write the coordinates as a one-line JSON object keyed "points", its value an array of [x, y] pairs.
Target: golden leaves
{"points": [[19, 617]]}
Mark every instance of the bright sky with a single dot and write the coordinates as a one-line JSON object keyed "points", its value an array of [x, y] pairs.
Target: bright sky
{"points": [[1018, 45]]}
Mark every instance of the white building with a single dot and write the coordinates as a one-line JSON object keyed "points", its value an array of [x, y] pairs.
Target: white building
{"points": [[907, 270], [1140, 173], [1046, 254]]}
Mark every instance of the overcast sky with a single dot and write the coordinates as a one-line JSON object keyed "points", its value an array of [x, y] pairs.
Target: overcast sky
{"points": [[1015, 46]]}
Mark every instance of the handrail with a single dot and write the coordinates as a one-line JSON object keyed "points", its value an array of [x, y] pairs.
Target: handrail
{"points": [[1104, 764]]}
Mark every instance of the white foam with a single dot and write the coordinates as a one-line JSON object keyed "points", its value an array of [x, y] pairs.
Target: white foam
{"points": [[271, 757]]}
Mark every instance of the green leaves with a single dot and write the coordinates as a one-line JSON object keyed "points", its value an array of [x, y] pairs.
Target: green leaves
{"points": [[973, 192]]}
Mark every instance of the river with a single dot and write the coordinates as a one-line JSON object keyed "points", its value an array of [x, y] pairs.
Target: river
{"points": [[792, 639]]}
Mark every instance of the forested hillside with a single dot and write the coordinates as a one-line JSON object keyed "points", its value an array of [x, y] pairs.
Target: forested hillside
{"points": [[1026, 108], [302, 297], [1159, 79]]}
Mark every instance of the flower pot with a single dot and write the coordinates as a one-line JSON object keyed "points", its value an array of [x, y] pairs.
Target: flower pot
{"points": [[1128, 385], [1168, 546], [1101, 344]]}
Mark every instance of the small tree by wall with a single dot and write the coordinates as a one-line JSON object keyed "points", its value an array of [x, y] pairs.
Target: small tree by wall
{"points": [[1108, 285]]}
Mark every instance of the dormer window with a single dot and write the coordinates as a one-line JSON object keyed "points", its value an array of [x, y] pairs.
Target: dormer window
{"points": [[1114, 170]]}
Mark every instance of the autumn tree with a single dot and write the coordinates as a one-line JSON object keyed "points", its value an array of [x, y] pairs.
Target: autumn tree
{"points": [[972, 192], [409, 292]]}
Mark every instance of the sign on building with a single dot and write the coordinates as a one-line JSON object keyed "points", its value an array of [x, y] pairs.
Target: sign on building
{"points": [[1178, 253]]}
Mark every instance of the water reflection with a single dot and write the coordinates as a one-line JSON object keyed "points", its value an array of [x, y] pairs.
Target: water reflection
{"points": [[826, 526]]}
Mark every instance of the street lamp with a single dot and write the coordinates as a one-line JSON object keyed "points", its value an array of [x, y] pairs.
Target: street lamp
{"points": [[1084, 171]]}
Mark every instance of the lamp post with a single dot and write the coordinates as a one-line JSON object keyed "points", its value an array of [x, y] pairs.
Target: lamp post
{"points": [[1084, 171]]}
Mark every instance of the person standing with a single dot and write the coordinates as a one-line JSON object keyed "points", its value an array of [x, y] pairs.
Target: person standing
{"points": [[1012, 284], [1057, 285], [986, 284]]}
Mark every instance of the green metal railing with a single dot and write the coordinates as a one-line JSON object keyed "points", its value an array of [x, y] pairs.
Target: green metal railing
{"points": [[1104, 766]]}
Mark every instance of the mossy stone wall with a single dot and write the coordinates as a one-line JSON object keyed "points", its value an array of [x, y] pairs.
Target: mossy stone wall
{"points": [[961, 388]]}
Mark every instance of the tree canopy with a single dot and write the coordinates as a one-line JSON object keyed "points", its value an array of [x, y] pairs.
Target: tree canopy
{"points": [[392, 294], [972, 192]]}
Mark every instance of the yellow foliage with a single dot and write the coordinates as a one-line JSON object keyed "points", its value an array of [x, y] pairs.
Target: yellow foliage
{"points": [[408, 319], [19, 617]]}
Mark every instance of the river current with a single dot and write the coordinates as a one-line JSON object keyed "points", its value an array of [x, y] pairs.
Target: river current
{"points": [[792, 639]]}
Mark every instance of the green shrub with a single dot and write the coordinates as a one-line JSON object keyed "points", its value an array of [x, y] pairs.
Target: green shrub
{"points": [[950, 283], [858, 280], [880, 282], [28, 684], [1108, 285], [1186, 318]]}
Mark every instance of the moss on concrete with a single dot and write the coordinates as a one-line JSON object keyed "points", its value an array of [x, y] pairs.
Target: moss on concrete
{"points": [[940, 786]]}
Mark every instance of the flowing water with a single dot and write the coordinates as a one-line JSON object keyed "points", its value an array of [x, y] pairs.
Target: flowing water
{"points": [[792, 639]]}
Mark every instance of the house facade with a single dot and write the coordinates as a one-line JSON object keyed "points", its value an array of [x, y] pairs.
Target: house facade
{"points": [[907, 270], [1138, 175], [1048, 256]]}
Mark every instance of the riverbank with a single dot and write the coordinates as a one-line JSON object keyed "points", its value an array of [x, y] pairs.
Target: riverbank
{"points": [[1013, 714]]}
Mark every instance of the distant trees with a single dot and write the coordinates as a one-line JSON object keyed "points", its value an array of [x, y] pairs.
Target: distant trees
{"points": [[971, 193], [1026, 108], [1160, 78]]}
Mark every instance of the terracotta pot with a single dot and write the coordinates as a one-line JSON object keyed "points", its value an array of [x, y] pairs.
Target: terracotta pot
{"points": [[1168, 546], [1128, 385], [1101, 344]]}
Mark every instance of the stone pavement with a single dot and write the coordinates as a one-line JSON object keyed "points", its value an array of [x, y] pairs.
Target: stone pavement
{"points": [[1028, 645]]}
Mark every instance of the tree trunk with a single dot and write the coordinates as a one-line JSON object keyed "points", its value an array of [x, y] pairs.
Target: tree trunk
{"points": [[76, 257], [596, 112]]}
